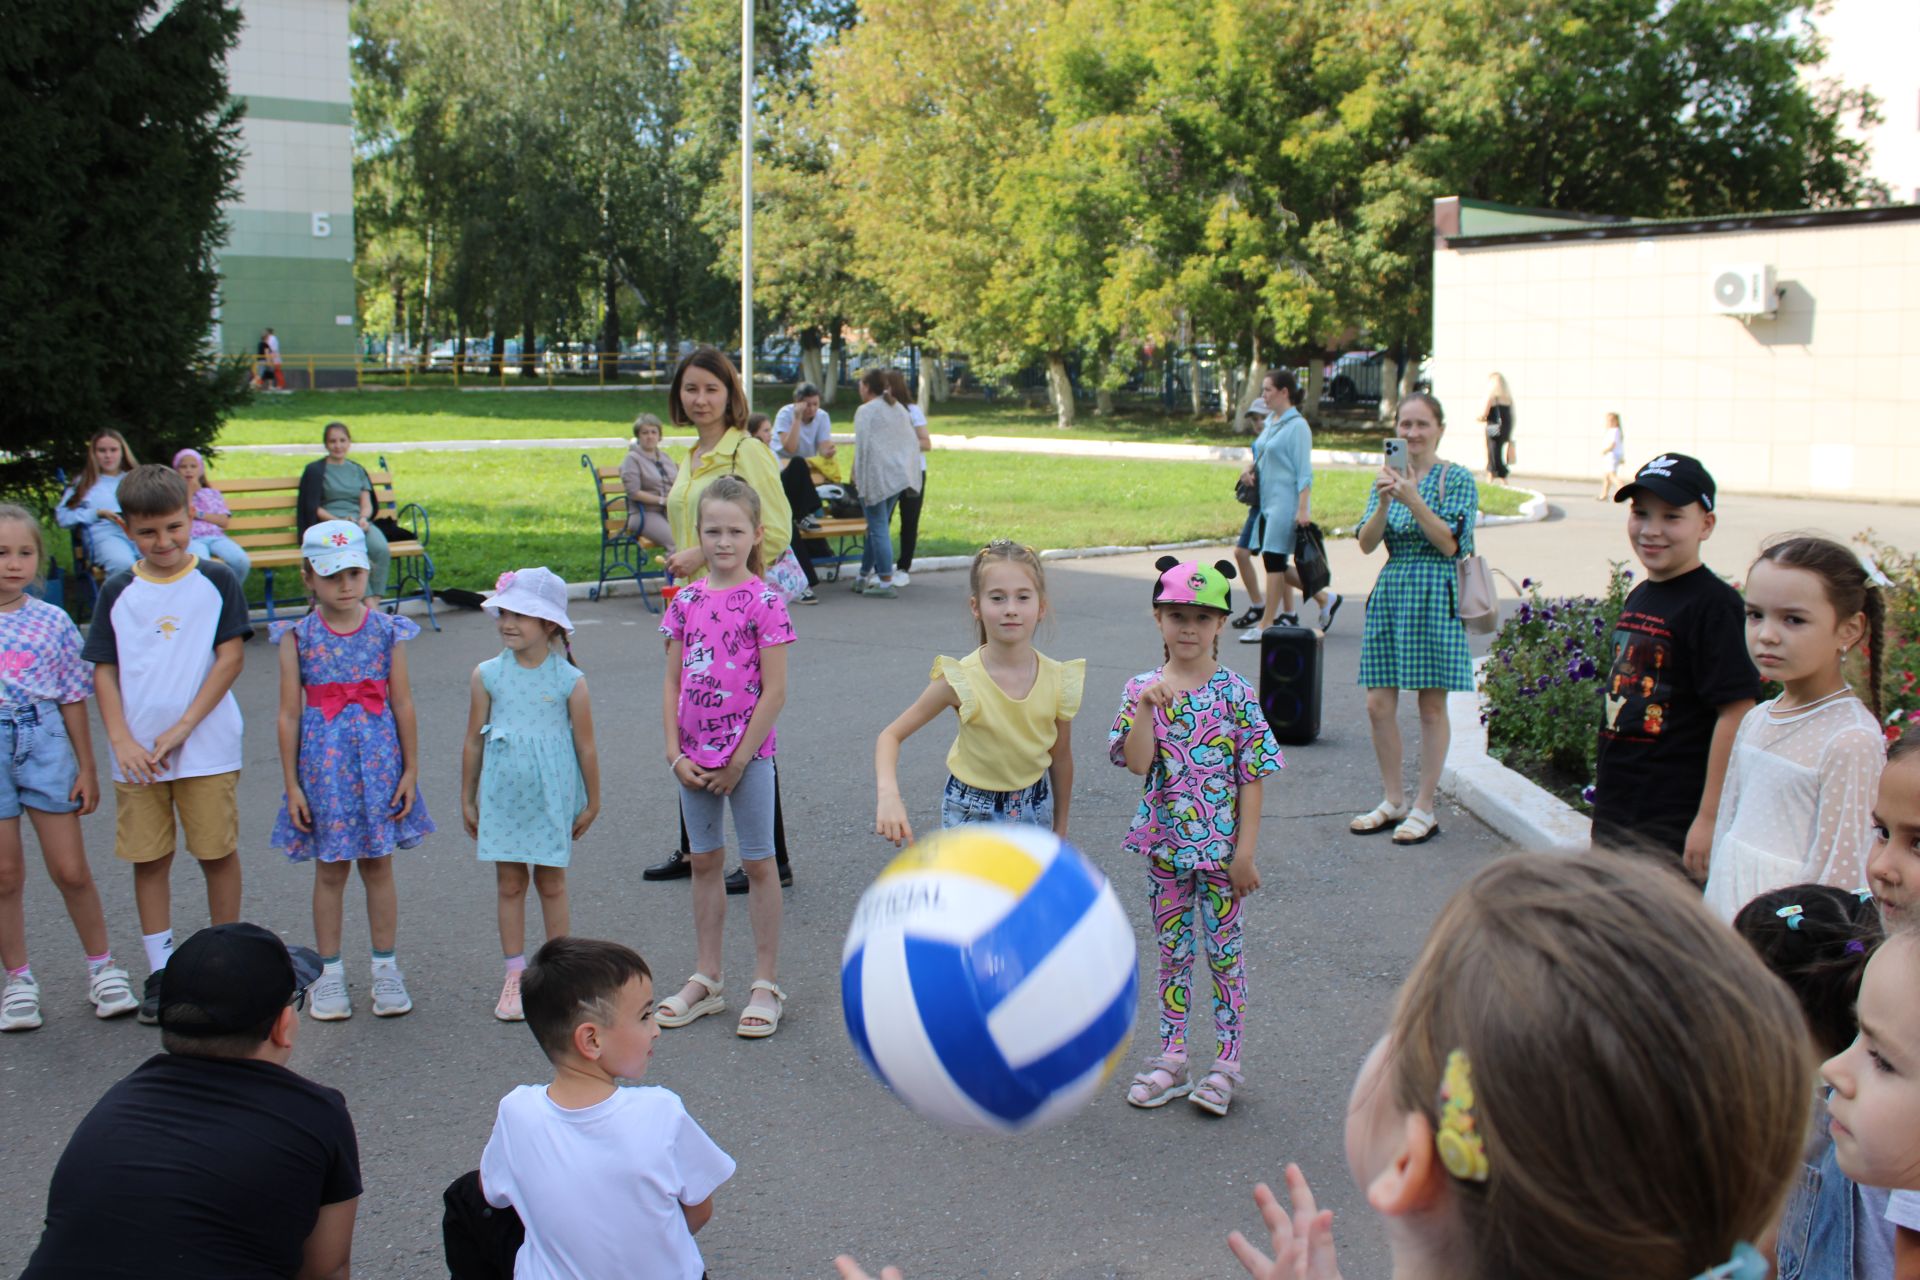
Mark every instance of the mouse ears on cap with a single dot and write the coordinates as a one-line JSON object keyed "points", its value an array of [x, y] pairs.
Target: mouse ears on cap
{"points": [[1165, 563], [1225, 569], [1190, 582]]}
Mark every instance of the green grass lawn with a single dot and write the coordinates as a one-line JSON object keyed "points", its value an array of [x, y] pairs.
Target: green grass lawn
{"points": [[505, 508], [389, 416]]}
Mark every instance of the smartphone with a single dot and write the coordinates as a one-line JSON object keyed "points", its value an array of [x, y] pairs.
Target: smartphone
{"points": [[1395, 451]]}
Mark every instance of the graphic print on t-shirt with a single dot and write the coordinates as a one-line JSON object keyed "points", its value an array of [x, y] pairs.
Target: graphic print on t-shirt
{"points": [[1640, 683]]}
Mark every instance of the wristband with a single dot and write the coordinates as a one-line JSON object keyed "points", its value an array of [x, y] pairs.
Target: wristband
{"points": [[675, 762]]}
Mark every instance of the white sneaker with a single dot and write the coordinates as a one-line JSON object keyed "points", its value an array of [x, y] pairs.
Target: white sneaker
{"points": [[1250, 636], [390, 998], [327, 998], [20, 1005], [1334, 602], [899, 577], [112, 993]]}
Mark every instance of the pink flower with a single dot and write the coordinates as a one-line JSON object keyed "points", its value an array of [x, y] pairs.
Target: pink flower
{"points": [[504, 581]]}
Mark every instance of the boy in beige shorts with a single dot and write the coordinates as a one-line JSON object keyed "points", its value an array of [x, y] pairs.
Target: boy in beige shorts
{"points": [[166, 647]]}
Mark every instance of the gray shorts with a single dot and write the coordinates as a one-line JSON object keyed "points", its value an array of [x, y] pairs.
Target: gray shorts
{"points": [[752, 804]]}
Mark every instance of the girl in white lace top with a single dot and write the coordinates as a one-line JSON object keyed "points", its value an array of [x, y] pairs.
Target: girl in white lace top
{"points": [[1800, 786]]}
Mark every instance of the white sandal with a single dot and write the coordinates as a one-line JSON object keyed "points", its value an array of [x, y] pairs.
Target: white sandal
{"points": [[1377, 819], [1419, 827], [768, 1014], [674, 1011]]}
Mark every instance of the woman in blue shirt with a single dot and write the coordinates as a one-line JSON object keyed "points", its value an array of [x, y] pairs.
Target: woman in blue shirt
{"points": [[92, 502], [1283, 454]]}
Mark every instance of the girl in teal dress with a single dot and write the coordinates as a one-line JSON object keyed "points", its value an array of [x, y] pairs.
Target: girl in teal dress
{"points": [[1413, 637], [530, 773]]}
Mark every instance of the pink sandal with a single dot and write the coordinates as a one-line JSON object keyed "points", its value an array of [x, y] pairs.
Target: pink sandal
{"points": [[1164, 1080]]}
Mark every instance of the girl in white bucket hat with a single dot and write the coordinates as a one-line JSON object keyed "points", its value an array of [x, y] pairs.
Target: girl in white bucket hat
{"points": [[529, 772]]}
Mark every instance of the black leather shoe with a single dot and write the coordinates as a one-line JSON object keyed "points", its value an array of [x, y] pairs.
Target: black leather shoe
{"points": [[737, 878], [150, 1000], [1247, 619], [676, 867]]}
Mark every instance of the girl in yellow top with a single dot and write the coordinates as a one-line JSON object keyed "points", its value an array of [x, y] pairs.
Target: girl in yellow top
{"points": [[706, 395], [1013, 758]]}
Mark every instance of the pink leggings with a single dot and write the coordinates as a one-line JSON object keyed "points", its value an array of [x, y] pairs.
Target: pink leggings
{"points": [[1175, 897]]}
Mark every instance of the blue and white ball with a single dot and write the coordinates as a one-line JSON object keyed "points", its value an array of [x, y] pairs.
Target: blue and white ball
{"points": [[990, 978]]}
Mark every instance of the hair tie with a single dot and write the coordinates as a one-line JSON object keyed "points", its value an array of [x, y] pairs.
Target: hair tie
{"points": [[1745, 1264], [1793, 915], [1462, 1150], [1856, 948]]}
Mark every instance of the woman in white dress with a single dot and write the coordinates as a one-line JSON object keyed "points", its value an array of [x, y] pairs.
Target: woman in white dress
{"points": [[1800, 786]]}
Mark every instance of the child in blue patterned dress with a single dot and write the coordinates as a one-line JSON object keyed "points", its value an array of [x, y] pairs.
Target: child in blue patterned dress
{"points": [[349, 748], [529, 773], [46, 768], [1203, 746]]}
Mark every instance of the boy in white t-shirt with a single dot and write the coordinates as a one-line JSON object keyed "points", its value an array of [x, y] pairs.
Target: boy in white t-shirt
{"points": [[608, 1182], [166, 642]]}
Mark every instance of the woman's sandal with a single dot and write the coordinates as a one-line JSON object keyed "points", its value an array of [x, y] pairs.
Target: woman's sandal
{"points": [[1419, 828], [768, 1014], [1214, 1093], [674, 1011], [1377, 819], [1164, 1080]]}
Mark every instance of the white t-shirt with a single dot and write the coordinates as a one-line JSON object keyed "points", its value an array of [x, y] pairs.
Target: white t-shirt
{"points": [[812, 434], [273, 344], [600, 1189], [919, 416], [160, 633]]}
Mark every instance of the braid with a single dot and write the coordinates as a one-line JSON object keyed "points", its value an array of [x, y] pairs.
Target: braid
{"points": [[1876, 611]]}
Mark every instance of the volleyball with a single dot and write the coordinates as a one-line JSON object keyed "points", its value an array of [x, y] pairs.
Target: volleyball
{"points": [[990, 978]]}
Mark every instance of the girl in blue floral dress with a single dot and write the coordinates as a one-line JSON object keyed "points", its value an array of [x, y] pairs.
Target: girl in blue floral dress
{"points": [[349, 750], [1197, 733]]}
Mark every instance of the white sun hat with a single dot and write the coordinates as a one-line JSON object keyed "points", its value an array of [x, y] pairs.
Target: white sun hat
{"points": [[537, 593]]}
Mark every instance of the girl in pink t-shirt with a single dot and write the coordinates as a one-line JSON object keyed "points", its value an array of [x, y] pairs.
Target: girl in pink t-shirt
{"points": [[726, 681]]}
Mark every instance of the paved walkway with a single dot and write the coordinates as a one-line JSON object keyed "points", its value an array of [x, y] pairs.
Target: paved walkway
{"points": [[828, 1161]]}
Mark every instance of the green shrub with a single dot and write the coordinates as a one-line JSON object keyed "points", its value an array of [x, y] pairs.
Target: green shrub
{"points": [[1900, 649], [1543, 682]]}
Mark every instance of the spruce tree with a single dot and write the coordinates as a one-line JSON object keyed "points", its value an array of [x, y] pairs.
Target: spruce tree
{"points": [[122, 145]]}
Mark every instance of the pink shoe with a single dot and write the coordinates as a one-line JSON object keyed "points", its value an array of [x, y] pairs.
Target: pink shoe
{"points": [[508, 1010]]}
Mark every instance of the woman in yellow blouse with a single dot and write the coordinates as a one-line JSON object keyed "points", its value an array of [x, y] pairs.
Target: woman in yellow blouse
{"points": [[706, 395]]}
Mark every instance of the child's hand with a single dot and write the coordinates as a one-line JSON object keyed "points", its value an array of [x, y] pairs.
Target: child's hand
{"points": [[136, 763], [86, 789], [1302, 1245], [1157, 694], [1243, 876], [689, 774], [850, 1270], [403, 795], [1698, 849], [890, 822], [470, 817], [722, 781], [585, 820], [298, 811], [166, 744]]}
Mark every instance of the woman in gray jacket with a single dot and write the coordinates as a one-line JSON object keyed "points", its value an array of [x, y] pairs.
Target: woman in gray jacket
{"points": [[886, 463]]}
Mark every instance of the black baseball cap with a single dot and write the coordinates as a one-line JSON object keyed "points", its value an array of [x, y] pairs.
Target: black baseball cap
{"points": [[1674, 477], [231, 978]]}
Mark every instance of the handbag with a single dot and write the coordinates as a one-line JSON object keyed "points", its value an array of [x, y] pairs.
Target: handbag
{"points": [[786, 576], [1246, 488], [1477, 600], [1310, 559]]}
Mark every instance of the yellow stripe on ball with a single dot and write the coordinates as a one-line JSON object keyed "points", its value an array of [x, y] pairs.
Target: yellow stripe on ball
{"points": [[978, 854]]}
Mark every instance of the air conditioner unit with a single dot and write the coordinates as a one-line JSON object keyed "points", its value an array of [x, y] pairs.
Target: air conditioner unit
{"points": [[1743, 289]]}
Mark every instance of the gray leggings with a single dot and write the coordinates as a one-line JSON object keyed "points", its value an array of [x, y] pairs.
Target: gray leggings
{"points": [[651, 525], [752, 805]]}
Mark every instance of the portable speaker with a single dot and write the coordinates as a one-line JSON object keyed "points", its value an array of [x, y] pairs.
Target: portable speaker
{"points": [[1290, 683]]}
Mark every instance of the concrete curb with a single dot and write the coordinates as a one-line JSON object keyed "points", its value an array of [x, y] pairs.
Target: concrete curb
{"points": [[1530, 816]]}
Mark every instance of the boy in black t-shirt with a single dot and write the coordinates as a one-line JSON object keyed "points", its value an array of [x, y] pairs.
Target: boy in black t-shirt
{"points": [[1681, 678]]}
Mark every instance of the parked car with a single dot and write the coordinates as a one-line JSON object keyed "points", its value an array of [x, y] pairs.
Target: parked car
{"points": [[1354, 378]]}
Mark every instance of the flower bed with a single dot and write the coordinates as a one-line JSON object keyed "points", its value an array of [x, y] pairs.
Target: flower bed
{"points": [[1542, 688]]}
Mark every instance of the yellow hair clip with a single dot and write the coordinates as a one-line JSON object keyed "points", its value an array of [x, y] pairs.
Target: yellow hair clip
{"points": [[1462, 1150]]}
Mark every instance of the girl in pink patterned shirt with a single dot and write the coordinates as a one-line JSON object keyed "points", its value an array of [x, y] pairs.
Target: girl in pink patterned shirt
{"points": [[46, 768]]}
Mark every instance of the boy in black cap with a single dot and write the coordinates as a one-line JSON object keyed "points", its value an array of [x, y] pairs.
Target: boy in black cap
{"points": [[211, 1160], [1681, 678]]}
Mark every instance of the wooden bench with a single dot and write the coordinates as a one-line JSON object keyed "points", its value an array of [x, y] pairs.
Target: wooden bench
{"points": [[265, 522], [622, 554]]}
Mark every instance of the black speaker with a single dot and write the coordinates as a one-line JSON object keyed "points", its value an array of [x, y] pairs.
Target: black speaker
{"points": [[1290, 683]]}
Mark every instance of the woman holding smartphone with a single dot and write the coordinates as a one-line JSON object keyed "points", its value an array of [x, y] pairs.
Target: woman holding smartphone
{"points": [[1423, 509]]}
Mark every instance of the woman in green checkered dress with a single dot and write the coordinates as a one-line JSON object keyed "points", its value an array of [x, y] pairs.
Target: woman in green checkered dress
{"points": [[1413, 637]]}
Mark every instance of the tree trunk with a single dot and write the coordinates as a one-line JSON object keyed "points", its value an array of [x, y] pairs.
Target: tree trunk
{"points": [[1315, 388], [1060, 388], [1389, 407], [942, 389], [930, 362], [529, 362], [610, 324], [1196, 394], [1256, 373], [836, 351], [810, 356]]}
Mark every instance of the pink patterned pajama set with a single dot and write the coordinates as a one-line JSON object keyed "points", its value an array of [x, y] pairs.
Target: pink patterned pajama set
{"points": [[1211, 742]]}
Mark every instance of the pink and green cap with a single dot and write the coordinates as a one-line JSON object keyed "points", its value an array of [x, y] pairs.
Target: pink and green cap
{"points": [[1190, 582]]}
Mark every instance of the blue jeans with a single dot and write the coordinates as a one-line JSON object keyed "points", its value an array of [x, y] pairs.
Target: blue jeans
{"points": [[226, 551], [876, 556], [961, 804], [109, 546]]}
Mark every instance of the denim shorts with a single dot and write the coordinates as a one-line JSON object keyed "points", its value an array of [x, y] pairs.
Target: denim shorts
{"points": [[39, 766], [963, 804], [1250, 531], [752, 805]]}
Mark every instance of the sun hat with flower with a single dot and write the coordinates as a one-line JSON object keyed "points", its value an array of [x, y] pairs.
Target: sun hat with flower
{"points": [[536, 593], [333, 545]]}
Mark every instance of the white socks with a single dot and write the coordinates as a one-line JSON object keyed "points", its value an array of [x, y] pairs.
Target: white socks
{"points": [[159, 946]]}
